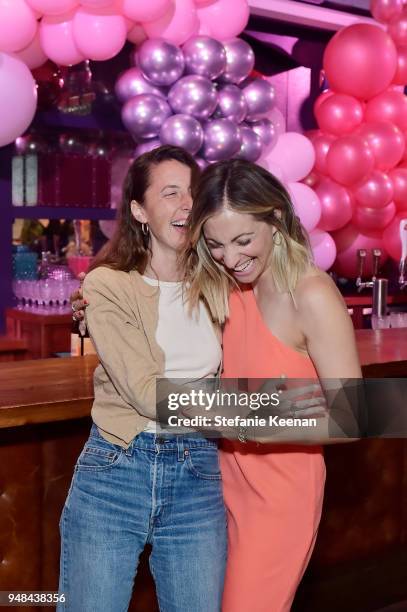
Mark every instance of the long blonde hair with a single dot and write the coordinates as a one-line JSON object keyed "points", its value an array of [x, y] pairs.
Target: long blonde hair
{"points": [[247, 188]]}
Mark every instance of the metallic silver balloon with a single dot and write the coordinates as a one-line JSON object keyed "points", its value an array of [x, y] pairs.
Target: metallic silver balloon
{"points": [[260, 97], [145, 147], [182, 131], [239, 61], [205, 56], [193, 95], [133, 83], [251, 147], [267, 132], [161, 62], [231, 104], [222, 139], [144, 115]]}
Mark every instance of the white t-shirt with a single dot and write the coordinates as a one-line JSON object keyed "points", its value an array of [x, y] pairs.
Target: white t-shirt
{"points": [[189, 342]]}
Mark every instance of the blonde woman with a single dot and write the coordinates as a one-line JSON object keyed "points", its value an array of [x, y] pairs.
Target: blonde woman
{"points": [[286, 320]]}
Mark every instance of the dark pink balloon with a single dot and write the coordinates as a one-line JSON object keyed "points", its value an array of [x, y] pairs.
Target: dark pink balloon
{"points": [[374, 192], [391, 237], [385, 10], [372, 219], [360, 60], [386, 142], [339, 114], [312, 179], [348, 240], [322, 143], [398, 177], [321, 98], [400, 78], [336, 205], [349, 160], [388, 106], [397, 29]]}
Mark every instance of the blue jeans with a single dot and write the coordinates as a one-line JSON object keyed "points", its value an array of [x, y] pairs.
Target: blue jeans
{"points": [[165, 491]]}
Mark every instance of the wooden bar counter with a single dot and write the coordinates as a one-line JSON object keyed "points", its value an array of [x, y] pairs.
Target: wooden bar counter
{"points": [[360, 559]]}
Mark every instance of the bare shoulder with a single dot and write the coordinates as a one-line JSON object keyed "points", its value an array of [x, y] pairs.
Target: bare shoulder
{"points": [[316, 291]]}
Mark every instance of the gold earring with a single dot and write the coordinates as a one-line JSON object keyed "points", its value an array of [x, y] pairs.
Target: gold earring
{"points": [[145, 229], [277, 238]]}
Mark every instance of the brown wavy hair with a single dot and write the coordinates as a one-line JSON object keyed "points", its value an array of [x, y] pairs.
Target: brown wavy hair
{"points": [[129, 248], [246, 188]]}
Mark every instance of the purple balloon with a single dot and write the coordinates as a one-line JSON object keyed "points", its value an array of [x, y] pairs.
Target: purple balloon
{"points": [[251, 147], [267, 132], [193, 95], [260, 97], [182, 131], [161, 62], [222, 139], [144, 115], [202, 163], [133, 83], [205, 56], [231, 104], [145, 147], [239, 60]]}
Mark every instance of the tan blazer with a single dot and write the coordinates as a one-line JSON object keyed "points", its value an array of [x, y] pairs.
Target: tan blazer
{"points": [[122, 319]]}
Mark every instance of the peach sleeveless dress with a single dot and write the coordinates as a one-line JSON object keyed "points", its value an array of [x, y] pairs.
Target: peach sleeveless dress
{"points": [[273, 493]]}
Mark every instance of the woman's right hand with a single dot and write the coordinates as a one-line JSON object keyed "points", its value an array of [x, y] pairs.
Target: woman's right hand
{"points": [[78, 304]]}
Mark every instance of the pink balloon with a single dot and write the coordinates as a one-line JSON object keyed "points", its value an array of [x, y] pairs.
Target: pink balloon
{"points": [[349, 160], [391, 237], [224, 18], [385, 10], [50, 7], [360, 60], [99, 36], [273, 168], [294, 154], [336, 205], [400, 78], [96, 4], [149, 10], [397, 29], [339, 114], [137, 34], [372, 219], [177, 25], [18, 98], [33, 55], [348, 240], [398, 177], [322, 143], [18, 25], [376, 191], [306, 204], [277, 119], [388, 106], [327, 93], [386, 142], [323, 248], [56, 35]]}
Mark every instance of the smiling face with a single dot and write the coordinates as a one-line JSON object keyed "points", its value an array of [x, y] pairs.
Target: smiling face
{"points": [[240, 243], [167, 204]]}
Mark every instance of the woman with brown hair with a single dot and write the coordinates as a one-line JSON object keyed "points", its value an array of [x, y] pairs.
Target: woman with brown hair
{"points": [[133, 483]]}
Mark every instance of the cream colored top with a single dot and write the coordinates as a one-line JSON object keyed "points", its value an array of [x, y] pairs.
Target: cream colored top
{"points": [[191, 348]]}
